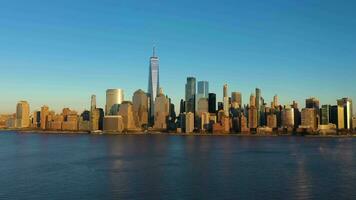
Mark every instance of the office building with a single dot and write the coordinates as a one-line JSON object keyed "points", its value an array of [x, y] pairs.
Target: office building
{"points": [[140, 107], [153, 81], [275, 102], [346, 103], [127, 113], [113, 123], [22, 114], [337, 116], [114, 97], [252, 100], [203, 106], [190, 94], [288, 117], [272, 121], [236, 99], [309, 118], [226, 103], [161, 111], [212, 103], [312, 103], [325, 114], [203, 89], [252, 117], [44, 116], [189, 122]]}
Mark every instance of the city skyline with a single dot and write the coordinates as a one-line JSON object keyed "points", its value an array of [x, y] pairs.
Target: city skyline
{"points": [[48, 58]]}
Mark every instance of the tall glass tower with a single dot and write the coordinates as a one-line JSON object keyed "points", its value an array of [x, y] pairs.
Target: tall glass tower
{"points": [[153, 80], [190, 94]]}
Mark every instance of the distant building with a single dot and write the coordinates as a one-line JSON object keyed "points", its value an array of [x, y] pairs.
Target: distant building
{"points": [[203, 106], [140, 107], [312, 103], [212, 103], [22, 114], [113, 123], [190, 95], [236, 99], [337, 116], [203, 89], [36, 119], [288, 117], [346, 103], [153, 80], [189, 122], [272, 121], [114, 97], [325, 114], [161, 111], [44, 116], [226, 103], [205, 121], [252, 117], [252, 100], [127, 113], [309, 118], [275, 102]]}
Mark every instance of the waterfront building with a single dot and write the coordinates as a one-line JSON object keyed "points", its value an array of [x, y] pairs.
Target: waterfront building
{"points": [[275, 102], [36, 119], [83, 125], [346, 103], [309, 118], [226, 103], [190, 94], [94, 115], [272, 121], [140, 107], [288, 117], [325, 114], [236, 99], [252, 117], [113, 123], [205, 121], [114, 97], [252, 100], [161, 111], [312, 103], [337, 116], [203, 106], [127, 113], [153, 80], [212, 103], [189, 122], [22, 114], [44, 116], [258, 105], [297, 114]]}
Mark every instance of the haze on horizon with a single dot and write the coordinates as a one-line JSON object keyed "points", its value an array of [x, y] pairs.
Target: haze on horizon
{"points": [[58, 53]]}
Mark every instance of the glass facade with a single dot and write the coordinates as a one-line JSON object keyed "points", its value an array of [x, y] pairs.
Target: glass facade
{"points": [[153, 80]]}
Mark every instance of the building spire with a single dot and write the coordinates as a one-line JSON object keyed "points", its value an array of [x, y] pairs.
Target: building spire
{"points": [[154, 51]]}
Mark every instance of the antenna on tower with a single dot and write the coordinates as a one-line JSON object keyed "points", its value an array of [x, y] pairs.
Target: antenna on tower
{"points": [[154, 51]]}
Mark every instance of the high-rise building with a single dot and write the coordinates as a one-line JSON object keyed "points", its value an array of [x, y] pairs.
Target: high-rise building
{"points": [[226, 103], [252, 117], [114, 97], [236, 99], [153, 80], [44, 116], [325, 114], [189, 122], [312, 103], [275, 102], [22, 114], [258, 105], [309, 118], [94, 115], [212, 103], [140, 107], [203, 106], [252, 100], [337, 116], [190, 94], [127, 113], [203, 89], [161, 111], [348, 113], [272, 121], [288, 117]]}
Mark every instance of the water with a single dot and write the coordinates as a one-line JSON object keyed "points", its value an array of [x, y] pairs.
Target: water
{"points": [[38, 166]]}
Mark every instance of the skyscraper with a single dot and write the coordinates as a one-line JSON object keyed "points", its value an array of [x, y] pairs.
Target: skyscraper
{"points": [[94, 115], [236, 98], [114, 97], [153, 80], [226, 101], [22, 114], [140, 107], [203, 89], [44, 116], [212, 103], [347, 104], [190, 94], [312, 103], [258, 105]]}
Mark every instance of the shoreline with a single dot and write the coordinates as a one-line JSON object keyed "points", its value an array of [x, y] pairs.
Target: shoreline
{"points": [[274, 134]]}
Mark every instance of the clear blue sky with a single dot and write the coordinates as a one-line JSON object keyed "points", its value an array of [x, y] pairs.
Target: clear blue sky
{"points": [[59, 52]]}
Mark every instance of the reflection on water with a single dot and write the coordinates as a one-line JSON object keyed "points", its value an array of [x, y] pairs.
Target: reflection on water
{"points": [[35, 166]]}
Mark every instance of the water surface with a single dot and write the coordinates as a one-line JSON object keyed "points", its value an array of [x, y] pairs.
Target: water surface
{"points": [[51, 166]]}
